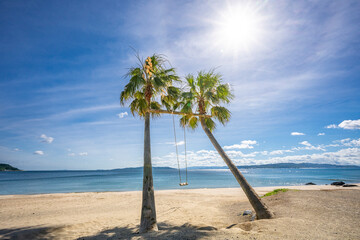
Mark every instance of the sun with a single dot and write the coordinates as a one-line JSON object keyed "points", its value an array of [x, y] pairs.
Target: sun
{"points": [[238, 28]]}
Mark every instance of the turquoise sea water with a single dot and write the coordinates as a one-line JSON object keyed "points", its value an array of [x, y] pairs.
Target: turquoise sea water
{"points": [[33, 182]]}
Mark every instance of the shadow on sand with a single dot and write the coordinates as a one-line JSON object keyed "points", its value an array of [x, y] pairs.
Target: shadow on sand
{"points": [[28, 233], [166, 231]]}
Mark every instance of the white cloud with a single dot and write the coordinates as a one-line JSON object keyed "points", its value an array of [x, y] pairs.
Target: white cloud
{"points": [[342, 141], [308, 146], [350, 124], [305, 143], [203, 158], [346, 124], [244, 144], [297, 134], [349, 142], [354, 142], [122, 114], [233, 154], [72, 154], [212, 158], [39, 152], [343, 156], [331, 145], [279, 152], [17, 149], [173, 143], [180, 143], [321, 134], [46, 138]]}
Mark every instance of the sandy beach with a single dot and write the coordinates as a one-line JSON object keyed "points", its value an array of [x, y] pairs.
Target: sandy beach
{"points": [[313, 212]]}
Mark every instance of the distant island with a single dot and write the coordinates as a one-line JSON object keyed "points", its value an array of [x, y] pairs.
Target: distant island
{"points": [[7, 167], [275, 165], [283, 165]]}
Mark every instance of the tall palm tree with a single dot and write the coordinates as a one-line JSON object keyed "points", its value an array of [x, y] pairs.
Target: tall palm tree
{"points": [[205, 94], [150, 83]]}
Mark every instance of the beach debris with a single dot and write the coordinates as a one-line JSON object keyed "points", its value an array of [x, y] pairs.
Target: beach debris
{"points": [[253, 217], [337, 183], [247, 212], [350, 185], [310, 183], [207, 228], [228, 227]]}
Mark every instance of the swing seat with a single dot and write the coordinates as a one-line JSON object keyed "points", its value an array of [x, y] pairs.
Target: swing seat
{"points": [[183, 184]]}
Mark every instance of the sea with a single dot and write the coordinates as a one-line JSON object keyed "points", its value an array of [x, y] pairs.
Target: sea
{"points": [[130, 179]]}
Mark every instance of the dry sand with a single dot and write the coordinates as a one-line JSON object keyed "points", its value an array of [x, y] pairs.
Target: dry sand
{"points": [[315, 212]]}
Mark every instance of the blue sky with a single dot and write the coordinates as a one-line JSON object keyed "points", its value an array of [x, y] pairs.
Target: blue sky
{"points": [[293, 66]]}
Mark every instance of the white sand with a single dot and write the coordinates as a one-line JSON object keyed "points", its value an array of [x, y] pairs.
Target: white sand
{"points": [[326, 212]]}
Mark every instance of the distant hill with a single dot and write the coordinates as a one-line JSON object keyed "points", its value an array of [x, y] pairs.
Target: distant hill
{"points": [[7, 167], [284, 165], [140, 168]]}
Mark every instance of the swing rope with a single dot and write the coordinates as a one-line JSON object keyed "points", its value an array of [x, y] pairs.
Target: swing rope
{"points": [[177, 152], [177, 155], [185, 156]]}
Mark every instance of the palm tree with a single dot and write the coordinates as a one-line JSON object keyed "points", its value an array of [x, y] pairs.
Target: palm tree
{"points": [[205, 94], [149, 81]]}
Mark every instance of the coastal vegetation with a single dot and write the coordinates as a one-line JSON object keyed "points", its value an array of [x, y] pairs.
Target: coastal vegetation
{"points": [[7, 167], [276, 191], [151, 87]]}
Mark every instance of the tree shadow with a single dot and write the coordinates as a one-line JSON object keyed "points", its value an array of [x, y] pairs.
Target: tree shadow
{"points": [[28, 233], [166, 231]]}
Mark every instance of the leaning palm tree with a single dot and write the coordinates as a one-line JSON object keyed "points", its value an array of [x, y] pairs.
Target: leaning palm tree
{"points": [[204, 95], [149, 83]]}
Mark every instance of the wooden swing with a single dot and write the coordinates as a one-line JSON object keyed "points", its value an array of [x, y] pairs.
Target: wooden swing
{"points": [[177, 156]]}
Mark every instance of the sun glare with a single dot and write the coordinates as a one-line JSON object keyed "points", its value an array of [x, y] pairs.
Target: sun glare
{"points": [[238, 29]]}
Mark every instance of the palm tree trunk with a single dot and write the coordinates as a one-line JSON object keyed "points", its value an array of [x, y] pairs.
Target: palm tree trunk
{"points": [[148, 213], [262, 211]]}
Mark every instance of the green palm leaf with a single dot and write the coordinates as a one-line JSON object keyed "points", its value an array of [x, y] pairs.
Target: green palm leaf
{"points": [[148, 81], [205, 93]]}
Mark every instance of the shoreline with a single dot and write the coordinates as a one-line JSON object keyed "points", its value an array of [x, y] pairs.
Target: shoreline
{"points": [[259, 190]]}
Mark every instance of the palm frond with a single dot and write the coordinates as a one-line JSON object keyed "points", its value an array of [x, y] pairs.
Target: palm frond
{"points": [[211, 96], [223, 93], [156, 106], [210, 124], [210, 80], [193, 122], [147, 81], [129, 90], [139, 107], [189, 121], [191, 82], [205, 93], [222, 114], [184, 120], [186, 107], [187, 96]]}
